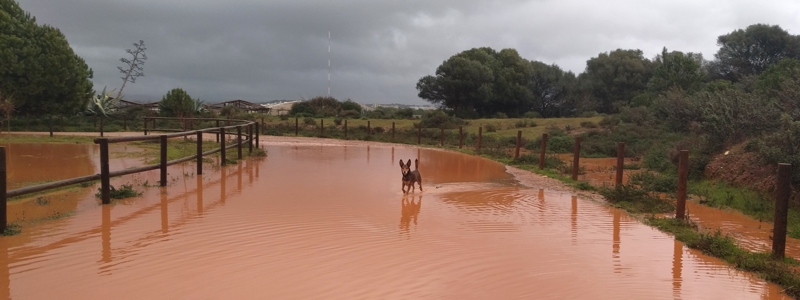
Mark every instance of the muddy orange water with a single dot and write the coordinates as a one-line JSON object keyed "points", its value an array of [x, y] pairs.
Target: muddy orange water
{"points": [[330, 222]]}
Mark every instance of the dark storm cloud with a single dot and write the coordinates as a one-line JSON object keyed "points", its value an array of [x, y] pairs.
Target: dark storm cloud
{"points": [[264, 50]]}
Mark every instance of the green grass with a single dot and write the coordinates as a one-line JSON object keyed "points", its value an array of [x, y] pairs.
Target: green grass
{"points": [[751, 203], [722, 246], [12, 229], [24, 138], [505, 127], [635, 199], [125, 191]]}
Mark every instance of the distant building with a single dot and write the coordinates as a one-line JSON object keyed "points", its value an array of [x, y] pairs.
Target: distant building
{"points": [[242, 105]]}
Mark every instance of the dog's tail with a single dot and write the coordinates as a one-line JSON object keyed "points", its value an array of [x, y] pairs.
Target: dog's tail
{"points": [[416, 164]]}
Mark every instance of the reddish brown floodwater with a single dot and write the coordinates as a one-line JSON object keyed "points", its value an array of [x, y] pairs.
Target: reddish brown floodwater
{"points": [[330, 222]]}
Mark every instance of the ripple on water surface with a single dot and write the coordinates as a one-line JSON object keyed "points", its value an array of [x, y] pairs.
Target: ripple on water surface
{"points": [[330, 222]]}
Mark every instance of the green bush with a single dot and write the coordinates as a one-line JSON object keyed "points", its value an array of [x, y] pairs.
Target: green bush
{"points": [[310, 121], [337, 121], [588, 124], [490, 128]]}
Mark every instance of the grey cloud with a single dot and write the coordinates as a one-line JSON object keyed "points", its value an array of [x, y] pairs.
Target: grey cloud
{"points": [[264, 50]]}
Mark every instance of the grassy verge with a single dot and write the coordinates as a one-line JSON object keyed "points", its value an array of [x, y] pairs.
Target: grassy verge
{"points": [[722, 246], [754, 204], [22, 138]]}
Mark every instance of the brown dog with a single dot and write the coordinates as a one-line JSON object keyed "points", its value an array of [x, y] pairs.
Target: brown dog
{"points": [[410, 177]]}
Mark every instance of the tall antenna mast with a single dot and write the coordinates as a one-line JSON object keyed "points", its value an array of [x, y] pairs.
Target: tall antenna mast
{"points": [[329, 63]]}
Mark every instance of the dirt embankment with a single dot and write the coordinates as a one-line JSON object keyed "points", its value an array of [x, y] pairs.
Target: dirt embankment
{"points": [[745, 169]]}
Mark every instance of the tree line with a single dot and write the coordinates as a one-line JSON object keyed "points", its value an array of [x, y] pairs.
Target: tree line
{"points": [[483, 82]]}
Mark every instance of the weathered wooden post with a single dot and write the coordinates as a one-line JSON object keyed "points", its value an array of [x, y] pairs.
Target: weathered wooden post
{"points": [[50, 125], [576, 158], [419, 134], [163, 138], [218, 133], [683, 175], [101, 127], [321, 127], [345, 128], [784, 191], [3, 190], [542, 152], [258, 135], [460, 137], [250, 138], [296, 125], [393, 131], [199, 153], [441, 137], [519, 142], [222, 147], [239, 142], [620, 163], [145, 125], [369, 128], [480, 137], [105, 177]]}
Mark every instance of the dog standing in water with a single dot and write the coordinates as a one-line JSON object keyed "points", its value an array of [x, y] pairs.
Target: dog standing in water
{"points": [[410, 177]]}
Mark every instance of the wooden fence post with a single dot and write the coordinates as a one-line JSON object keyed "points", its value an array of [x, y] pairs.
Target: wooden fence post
{"points": [[576, 158], [419, 134], [460, 137], [296, 125], [239, 142], [223, 151], [199, 153], [250, 139], [784, 191], [393, 131], [441, 137], [3, 191], [145, 125], [480, 137], [542, 152], [322, 127], [218, 133], [345, 128], [369, 128], [101, 126], [519, 142], [163, 160], [620, 163], [258, 134], [105, 177], [683, 174]]}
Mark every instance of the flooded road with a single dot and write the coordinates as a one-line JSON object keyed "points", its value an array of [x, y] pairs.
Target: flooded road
{"points": [[331, 222]]}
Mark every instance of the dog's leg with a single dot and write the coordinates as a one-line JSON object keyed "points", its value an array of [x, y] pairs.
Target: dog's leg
{"points": [[403, 188], [420, 185]]}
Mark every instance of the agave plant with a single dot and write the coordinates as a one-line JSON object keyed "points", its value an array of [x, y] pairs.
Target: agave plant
{"points": [[199, 106], [103, 105]]}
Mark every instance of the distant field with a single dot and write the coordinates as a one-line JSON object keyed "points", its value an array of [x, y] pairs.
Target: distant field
{"points": [[505, 127]]}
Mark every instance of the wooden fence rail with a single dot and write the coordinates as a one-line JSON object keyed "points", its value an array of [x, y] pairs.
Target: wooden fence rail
{"points": [[106, 174]]}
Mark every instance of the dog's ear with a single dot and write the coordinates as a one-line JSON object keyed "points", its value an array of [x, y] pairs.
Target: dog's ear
{"points": [[416, 163], [401, 163], [409, 163]]}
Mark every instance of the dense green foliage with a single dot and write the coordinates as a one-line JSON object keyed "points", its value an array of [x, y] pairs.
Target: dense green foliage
{"points": [[39, 69], [177, 103]]}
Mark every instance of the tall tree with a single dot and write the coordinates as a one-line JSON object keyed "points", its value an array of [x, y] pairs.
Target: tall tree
{"points": [[177, 103], [133, 68], [751, 51], [618, 76], [480, 82], [551, 87], [677, 69], [39, 68]]}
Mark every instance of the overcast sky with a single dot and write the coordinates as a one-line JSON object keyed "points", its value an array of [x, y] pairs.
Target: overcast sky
{"points": [[260, 50]]}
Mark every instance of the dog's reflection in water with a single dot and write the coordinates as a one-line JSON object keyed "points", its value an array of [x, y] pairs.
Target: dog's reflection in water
{"points": [[410, 210]]}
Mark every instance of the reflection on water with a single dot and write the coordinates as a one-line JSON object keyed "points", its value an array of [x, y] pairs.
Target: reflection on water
{"points": [[409, 211], [311, 222], [63, 161]]}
